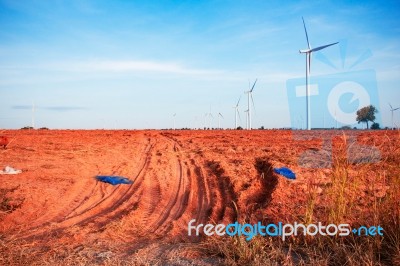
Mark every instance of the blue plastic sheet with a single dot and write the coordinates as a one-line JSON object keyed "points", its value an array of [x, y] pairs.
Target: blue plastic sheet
{"points": [[286, 172], [114, 180]]}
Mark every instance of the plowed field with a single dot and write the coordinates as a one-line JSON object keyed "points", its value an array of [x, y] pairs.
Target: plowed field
{"points": [[56, 207]]}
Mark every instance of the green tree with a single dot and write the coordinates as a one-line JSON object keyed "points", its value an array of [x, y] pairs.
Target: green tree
{"points": [[366, 114], [375, 126]]}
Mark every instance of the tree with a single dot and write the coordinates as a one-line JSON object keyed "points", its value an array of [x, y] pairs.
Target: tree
{"points": [[375, 126], [366, 114]]}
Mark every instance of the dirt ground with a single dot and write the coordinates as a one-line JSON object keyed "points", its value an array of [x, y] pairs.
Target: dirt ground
{"points": [[56, 206]]}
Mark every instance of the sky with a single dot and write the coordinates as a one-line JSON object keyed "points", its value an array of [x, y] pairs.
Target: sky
{"points": [[134, 64]]}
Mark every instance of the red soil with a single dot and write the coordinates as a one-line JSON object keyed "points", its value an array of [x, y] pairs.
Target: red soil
{"points": [[210, 176], [4, 141]]}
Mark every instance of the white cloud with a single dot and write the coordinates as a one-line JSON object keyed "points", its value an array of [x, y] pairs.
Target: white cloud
{"points": [[94, 69], [135, 66]]}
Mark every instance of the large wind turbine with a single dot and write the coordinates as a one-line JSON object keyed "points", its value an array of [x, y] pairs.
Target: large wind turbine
{"points": [[392, 110], [250, 95], [236, 112], [308, 53]]}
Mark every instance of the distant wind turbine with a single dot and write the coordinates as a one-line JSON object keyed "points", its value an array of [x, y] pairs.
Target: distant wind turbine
{"points": [[174, 120], [308, 53], [250, 95], [392, 110], [210, 117], [219, 115], [236, 112]]}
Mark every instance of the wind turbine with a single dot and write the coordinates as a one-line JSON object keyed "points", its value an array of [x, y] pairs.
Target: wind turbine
{"points": [[249, 95], [174, 120], [237, 112], [210, 117], [219, 115], [308, 53], [392, 110], [247, 118]]}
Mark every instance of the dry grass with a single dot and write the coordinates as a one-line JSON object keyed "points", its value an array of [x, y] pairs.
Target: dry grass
{"points": [[362, 194]]}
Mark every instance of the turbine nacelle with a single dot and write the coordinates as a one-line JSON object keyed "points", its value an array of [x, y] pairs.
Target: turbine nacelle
{"points": [[304, 51]]}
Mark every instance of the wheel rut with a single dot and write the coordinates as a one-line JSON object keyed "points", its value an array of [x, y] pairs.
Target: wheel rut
{"points": [[171, 186]]}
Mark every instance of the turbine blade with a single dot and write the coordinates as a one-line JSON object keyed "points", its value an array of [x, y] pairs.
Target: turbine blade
{"points": [[396, 108], [323, 47], [391, 108], [305, 30], [252, 88], [238, 101]]}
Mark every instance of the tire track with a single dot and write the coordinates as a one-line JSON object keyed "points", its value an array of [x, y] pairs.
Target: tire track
{"points": [[168, 191], [166, 213], [204, 200], [114, 207], [109, 203], [191, 195]]}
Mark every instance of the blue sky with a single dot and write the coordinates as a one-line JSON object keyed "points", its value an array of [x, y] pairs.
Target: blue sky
{"points": [[133, 64]]}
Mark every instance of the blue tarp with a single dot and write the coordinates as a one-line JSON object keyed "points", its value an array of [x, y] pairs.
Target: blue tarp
{"points": [[286, 172], [114, 180]]}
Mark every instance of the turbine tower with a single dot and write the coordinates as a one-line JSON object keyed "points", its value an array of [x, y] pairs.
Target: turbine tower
{"points": [[392, 110], [210, 117], [247, 118], [249, 95], [308, 53], [236, 112], [219, 115]]}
